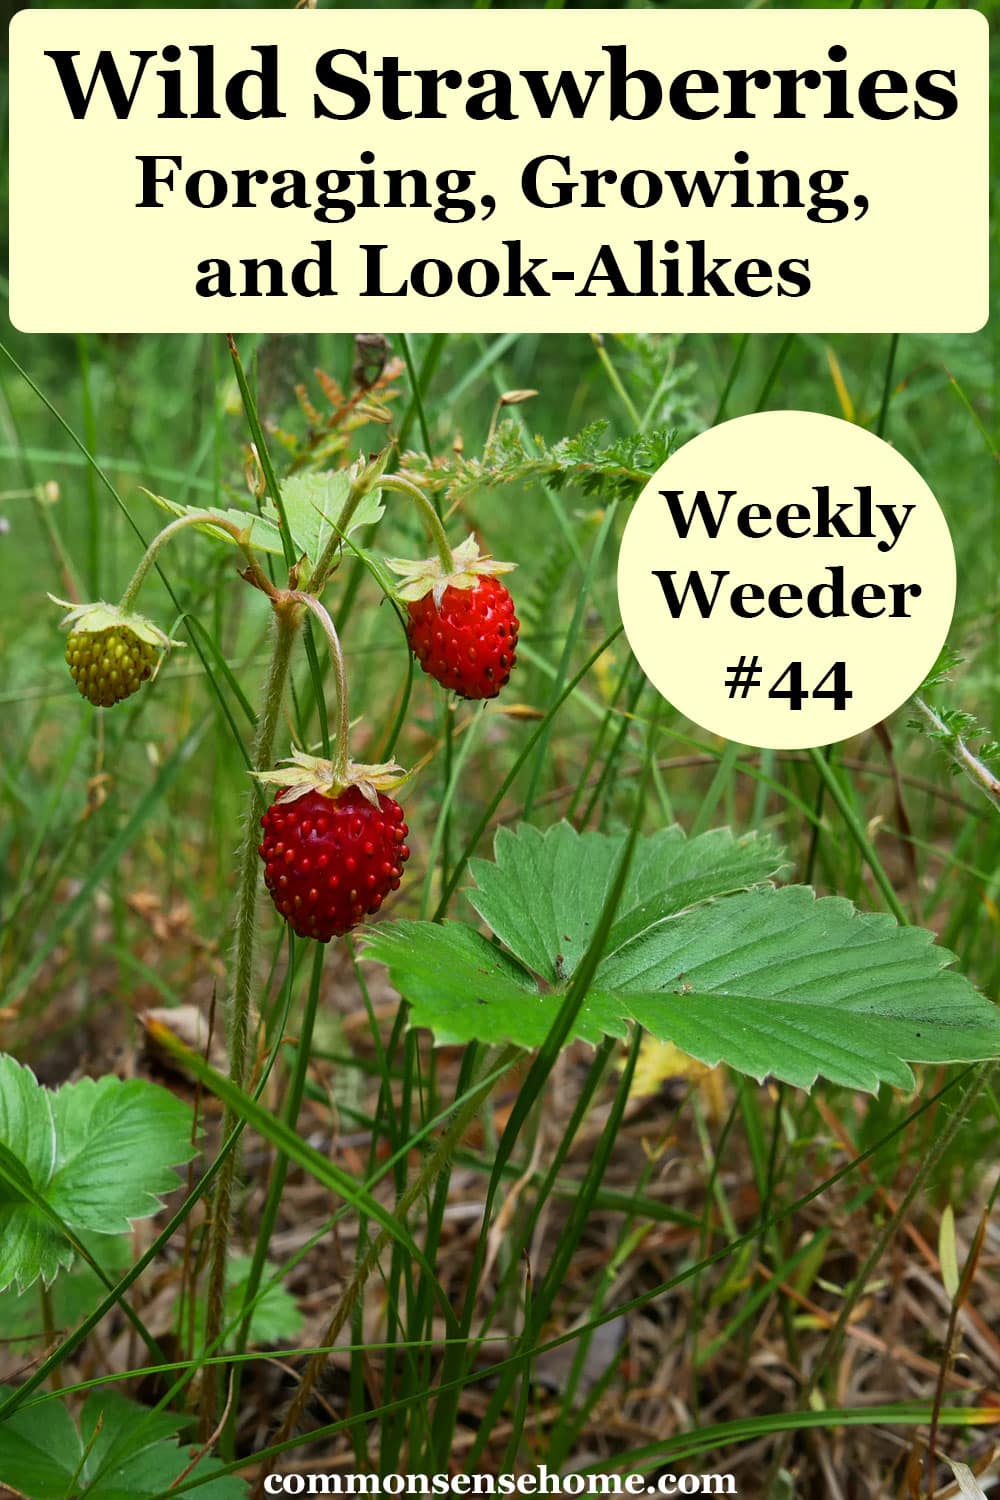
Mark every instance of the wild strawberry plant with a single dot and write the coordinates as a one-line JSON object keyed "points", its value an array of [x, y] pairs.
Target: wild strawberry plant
{"points": [[565, 936]]}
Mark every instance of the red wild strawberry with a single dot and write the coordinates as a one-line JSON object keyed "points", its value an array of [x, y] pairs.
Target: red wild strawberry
{"points": [[462, 627], [466, 643], [333, 848]]}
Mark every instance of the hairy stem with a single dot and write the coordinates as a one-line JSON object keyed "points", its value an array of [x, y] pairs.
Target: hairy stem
{"points": [[970, 765], [288, 620], [340, 756], [431, 519], [254, 574]]}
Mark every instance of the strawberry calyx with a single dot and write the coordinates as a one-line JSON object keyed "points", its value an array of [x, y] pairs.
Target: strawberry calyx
{"points": [[95, 619], [428, 575], [301, 773]]}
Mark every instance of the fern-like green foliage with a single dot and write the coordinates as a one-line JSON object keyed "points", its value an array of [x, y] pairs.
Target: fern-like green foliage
{"points": [[607, 470]]}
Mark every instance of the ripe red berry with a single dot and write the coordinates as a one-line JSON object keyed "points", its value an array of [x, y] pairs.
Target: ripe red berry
{"points": [[467, 642], [331, 861]]}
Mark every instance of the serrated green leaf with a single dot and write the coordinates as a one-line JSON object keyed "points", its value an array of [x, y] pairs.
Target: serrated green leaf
{"points": [[117, 1144], [314, 503], [27, 1127], [777, 982], [30, 1245], [121, 1451], [93, 1156], [76, 1293], [544, 892], [264, 534], [40, 1450]]}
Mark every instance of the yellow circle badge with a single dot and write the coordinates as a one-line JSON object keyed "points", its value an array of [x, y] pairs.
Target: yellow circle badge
{"points": [[786, 579]]}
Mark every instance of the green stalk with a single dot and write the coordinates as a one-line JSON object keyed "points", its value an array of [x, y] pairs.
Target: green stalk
{"points": [[194, 518], [828, 779], [324, 566], [597, 339], [421, 1184], [288, 619], [275, 1188], [259, 444], [431, 519], [340, 756], [416, 385]]}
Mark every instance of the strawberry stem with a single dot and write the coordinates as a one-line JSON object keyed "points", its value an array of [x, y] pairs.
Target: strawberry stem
{"points": [[288, 620], [195, 518], [431, 519], [340, 757]]}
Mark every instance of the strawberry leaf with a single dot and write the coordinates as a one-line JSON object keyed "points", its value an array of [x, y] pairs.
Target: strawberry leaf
{"points": [[116, 1145], [313, 504], [92, 1156], [120, 1451], [264, 534], [780, 983], [460, 985], [275, 1319], [76, 1292], [773, 982]]}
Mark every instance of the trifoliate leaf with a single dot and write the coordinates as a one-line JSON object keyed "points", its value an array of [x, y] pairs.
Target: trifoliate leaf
{"points": [[772, 982]]}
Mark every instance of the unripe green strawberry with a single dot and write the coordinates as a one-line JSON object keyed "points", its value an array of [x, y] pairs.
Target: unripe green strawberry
{"points": [[334, 846], [110, 652], [109, 665], [462, 626]]}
